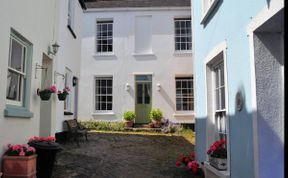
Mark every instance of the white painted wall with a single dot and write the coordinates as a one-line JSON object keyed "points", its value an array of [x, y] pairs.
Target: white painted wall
{"points": [[68, 56], [35, 23], [165, 64]]}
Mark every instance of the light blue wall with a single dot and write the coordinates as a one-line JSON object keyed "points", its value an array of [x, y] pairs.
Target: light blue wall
{"points": [[229, 23]]}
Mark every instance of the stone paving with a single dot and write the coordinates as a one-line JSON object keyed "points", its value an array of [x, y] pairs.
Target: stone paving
{"points": [[109, 155]]}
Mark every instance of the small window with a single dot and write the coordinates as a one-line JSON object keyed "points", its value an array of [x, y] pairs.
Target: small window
{"points": [[104, 36], [183, 37], [103, 93], [68, 83], [184, 94], [16, 71]]}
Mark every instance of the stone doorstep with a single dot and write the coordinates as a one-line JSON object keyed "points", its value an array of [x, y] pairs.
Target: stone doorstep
{"points": [[143, 129]]}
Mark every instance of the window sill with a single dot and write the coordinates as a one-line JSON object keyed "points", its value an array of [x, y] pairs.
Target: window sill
{"points": [[181, 53], [103, 113], [17, 111], [66, 113], [72, 32], [104, 55], [143, 54], [183, 114], [220, 174], [208, 12]]}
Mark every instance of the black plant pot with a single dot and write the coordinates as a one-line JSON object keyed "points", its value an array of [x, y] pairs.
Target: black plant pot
{"points": [[62, 96], [45, 95]]}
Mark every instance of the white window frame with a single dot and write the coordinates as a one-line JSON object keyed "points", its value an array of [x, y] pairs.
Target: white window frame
{"points": [[68, 83], [104, 22], [212, 135], [182, 36], [207, 7], [71, 14], [22, 73], [110, 77], [178, 78]]}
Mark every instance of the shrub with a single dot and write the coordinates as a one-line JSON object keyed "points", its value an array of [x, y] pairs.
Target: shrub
{"points": [[129, 115], [155, 114], [103, 125]]}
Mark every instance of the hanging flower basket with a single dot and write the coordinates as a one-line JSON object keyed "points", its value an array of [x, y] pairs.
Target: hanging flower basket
{"points": [[44, 95], [62, 96]]}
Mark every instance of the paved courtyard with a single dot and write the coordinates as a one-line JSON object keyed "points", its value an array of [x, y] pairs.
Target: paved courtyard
{"points": [[108, 155]]}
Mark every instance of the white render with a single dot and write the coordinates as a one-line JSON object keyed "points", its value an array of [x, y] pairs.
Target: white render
{"points": [[42, 27], [123, 64]]}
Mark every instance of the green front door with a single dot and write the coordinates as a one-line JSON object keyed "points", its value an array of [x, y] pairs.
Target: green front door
{"points": [[143, 98]]}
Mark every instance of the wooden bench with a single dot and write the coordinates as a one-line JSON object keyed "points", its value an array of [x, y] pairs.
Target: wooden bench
{"points": [[75, 130]]}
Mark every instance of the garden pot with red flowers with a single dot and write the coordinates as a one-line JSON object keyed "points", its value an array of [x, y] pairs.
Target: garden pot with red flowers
{"points": [[218, 155], [19, 161]]}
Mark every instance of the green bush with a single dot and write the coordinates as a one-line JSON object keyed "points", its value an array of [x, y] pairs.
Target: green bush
{"points": [[129, 115], [103, 125], [155, 114]]}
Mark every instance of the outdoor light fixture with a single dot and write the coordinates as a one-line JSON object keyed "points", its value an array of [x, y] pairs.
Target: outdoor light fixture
{"points": [[127, 86], [158, 87], [55, 48]]}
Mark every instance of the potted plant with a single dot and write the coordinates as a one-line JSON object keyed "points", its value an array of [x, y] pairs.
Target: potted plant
{"points": [[62, 94], [155, 116], [19, 161], [218, 155], [189, 162], [45, 94], [129, 117]]}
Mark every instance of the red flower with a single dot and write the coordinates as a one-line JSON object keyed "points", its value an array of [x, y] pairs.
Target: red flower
{"points": [[178, 163], [192, 155], [209, 152], [186, 160]]}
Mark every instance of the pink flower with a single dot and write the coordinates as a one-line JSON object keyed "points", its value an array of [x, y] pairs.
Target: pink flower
{"points": [[53, 88], [193, 165], [31, 149], [22, 153]]}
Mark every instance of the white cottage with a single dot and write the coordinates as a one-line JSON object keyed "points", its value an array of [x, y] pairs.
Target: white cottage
{"points": [[136, 55], [28, 62]]}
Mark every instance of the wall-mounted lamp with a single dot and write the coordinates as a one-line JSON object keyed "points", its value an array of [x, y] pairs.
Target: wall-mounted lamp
{"points": [[158, 87], [55, 48], [127, 86]]}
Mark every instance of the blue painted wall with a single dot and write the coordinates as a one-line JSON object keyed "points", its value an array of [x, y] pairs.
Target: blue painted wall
{"points": [[228, 22]]}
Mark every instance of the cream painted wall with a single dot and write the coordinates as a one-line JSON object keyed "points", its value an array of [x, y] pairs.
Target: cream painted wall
{"points": [[165, 64]]}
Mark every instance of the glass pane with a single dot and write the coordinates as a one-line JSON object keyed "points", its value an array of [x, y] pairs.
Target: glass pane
{"points": [[183, 46], [182, 24], [109, 83], [178, 107], [147, 93], [217, 100], [104, 48], [217, 77], [109, 106], [139, 93], [110, 27], [109, 98], [177, 46], [104, 27], [143, 78], [177, 24], [223, 98], [16, 56], [222, 74], [103, 83], [103, 106], [103, 90], [103, 99], [109, 90], [109, 48], [13, 90]]}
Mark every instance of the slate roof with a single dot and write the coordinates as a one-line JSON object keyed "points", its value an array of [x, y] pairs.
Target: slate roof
{"points": [[135, 3]]}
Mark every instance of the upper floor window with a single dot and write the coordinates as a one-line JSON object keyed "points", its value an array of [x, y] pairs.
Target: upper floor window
{"points": [[104, 37], [184, 94], [183, 37], [68, 83], [71, 15], [16, 71]]}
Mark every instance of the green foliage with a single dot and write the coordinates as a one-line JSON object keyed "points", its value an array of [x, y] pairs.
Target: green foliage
{"points": [[155, 114], [103, 125], [129, 115]]}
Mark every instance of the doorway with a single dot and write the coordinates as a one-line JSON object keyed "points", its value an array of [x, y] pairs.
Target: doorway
{"points": [[143, 105]]}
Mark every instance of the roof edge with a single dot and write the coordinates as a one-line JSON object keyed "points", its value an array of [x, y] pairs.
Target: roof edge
{"points": [[82, 3], [136, 9]]}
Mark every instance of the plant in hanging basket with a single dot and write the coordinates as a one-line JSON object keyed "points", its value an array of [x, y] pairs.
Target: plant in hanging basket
{"points": [[62, 94], [218, 155], [19, 161], [45, 94]]}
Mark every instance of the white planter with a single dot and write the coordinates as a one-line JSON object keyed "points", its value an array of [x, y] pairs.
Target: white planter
{"points": [[218, 163]]}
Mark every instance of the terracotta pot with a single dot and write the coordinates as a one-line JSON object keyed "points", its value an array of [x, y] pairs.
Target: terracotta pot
{"points": [[19, 166], [129, 123], [157, 124]]}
